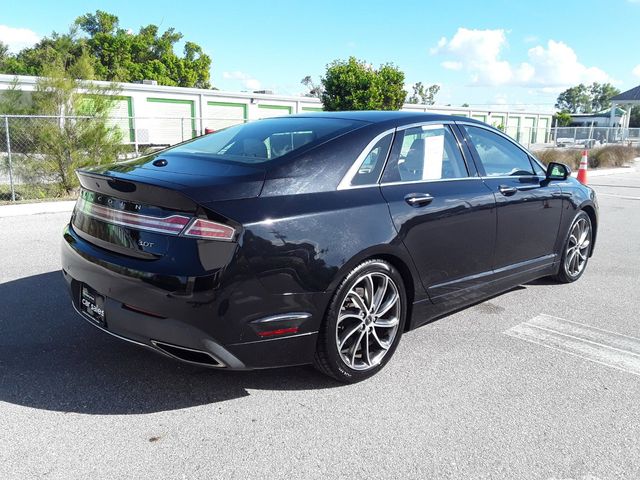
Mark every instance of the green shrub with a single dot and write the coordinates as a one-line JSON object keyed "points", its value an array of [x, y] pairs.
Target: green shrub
{"points": [[609, 156], [559, 155], [41, 191]]}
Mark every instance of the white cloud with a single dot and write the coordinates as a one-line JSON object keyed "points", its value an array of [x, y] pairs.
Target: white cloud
{"points": [[17, 38], [451, 65], [479, 52], [636, 70], [558, 65], [247, 80]]}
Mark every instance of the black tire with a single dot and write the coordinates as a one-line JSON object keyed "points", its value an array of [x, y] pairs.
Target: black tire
{"points": [[328, 359], [565, 275]]}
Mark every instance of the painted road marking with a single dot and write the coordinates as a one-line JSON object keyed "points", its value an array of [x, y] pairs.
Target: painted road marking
{"points": [[591, 343], [625, 197]]}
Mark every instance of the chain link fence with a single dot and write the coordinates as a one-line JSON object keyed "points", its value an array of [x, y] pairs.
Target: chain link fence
{"points": [[39, 154], [590, 137]]}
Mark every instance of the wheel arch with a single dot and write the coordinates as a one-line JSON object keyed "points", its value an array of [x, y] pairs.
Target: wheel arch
{"points": [[591, 211], [400, 261]]}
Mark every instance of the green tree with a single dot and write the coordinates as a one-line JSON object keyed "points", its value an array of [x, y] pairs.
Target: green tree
{"points": [[586, 99], [601, 94], [423, 95], [562, 119], [58, 146], [355, 85], [315, 89], [149, 54], [575, 100], [12, 100], [634, 121], [115, 53]]}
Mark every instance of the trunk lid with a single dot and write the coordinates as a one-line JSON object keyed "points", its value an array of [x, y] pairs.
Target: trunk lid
{"points": [[202, 178], [148, 211]]}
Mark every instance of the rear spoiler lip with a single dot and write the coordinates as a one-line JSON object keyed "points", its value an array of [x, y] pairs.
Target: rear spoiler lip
{"points": [[137, 190]]}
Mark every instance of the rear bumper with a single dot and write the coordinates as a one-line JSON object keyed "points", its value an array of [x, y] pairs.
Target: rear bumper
{"points": [[213, 321]]}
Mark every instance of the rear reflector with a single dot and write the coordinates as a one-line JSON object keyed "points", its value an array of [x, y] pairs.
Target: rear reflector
{"points": [[280, 331], [200, 228], [171, 225]]}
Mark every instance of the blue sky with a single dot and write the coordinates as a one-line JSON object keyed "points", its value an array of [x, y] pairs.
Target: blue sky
{"points": [[518, 53]]}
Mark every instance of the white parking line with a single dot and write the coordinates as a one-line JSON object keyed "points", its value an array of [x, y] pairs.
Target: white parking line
{"points": [[626, 197], [591, 343]]}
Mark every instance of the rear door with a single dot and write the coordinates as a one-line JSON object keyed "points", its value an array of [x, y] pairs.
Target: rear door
{"points": [[443, 212], [529, 207]]}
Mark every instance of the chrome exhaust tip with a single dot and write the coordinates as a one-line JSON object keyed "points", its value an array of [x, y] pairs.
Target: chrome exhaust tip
{"points": [[188, 355]]}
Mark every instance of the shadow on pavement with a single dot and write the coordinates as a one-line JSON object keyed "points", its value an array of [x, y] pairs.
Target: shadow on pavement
{"points": [[51, 359]]}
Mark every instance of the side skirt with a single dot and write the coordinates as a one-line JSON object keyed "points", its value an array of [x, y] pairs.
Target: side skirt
{"points": [[451, 298]]}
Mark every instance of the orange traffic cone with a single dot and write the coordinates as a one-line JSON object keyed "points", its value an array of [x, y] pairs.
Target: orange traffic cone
{"points": [[582, 171]]}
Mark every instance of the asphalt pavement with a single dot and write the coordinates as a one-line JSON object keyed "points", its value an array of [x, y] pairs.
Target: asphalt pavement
{"points": [[462, 398]]}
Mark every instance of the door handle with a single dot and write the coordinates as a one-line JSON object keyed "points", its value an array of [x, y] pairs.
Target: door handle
{"points": [[418, 199], [506, 190]]}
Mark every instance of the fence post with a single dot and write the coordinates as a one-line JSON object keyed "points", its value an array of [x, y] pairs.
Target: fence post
{"points": [[135, 134], [6, 129]]}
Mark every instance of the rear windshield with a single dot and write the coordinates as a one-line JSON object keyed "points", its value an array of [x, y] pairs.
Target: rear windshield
{"points": [[265, 140]]}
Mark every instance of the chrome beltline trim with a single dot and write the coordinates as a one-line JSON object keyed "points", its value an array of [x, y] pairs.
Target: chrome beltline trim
{"points": [[276, 339], [345, 183], [284, 316]]}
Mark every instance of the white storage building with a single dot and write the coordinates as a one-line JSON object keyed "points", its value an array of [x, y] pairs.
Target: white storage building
{"points": [[161, 115]]}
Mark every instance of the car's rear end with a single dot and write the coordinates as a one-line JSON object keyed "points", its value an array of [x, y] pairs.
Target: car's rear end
{"points": [[145, 262], [151, 257]]}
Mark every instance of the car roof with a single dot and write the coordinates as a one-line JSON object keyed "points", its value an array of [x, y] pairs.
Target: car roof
{"points": [[391, 117]]}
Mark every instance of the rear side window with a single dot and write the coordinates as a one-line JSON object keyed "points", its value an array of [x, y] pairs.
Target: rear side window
{"points": [[371, 166], [428, 152], [265, 140], [499, 156]]}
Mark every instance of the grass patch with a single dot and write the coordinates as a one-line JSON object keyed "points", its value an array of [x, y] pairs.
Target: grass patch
{"points": [[26, 192]]}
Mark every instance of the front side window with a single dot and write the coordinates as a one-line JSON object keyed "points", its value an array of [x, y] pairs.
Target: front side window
{"points": [[265, 140], [428, 152], [499, 156]]}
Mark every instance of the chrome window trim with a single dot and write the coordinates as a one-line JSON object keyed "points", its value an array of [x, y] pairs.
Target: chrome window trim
{"points": [[508, 138], [411, 182], [434, 123], [425, 124], [489, 177], [345, 183]]}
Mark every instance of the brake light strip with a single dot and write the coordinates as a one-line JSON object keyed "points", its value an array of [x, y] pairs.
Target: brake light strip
{"points": [[171, 225]]}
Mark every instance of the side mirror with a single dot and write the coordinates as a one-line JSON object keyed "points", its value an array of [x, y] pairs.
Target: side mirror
{"points": [[558, 171]]}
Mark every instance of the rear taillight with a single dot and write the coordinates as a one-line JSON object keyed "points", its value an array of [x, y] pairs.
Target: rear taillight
{"points": [[171, 225], [207, 229]]}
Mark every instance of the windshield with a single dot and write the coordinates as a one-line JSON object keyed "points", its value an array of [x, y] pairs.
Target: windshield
{"points": [[265, 140]]}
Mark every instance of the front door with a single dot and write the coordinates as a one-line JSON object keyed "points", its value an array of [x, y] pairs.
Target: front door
{"points": [[443, 211], [529, 207]]}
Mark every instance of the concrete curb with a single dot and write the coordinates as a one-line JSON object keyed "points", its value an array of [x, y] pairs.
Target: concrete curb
{"points": [[606, 171], [35, 208]]}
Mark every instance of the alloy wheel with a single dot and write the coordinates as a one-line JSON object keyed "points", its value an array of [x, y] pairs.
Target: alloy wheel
{"points": [[578, 247], [368, 321]]}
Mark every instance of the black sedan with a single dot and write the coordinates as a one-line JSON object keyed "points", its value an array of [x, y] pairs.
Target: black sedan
{"points": [[317, 238]]}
